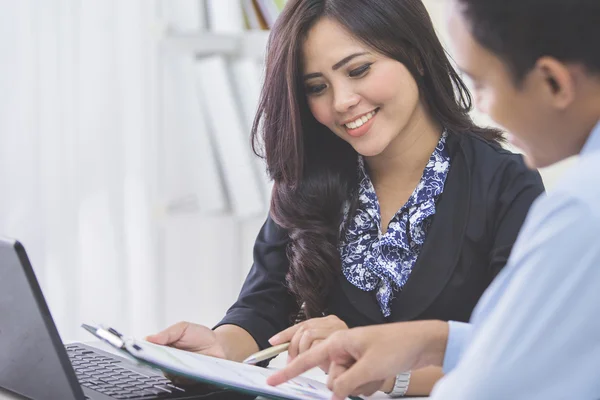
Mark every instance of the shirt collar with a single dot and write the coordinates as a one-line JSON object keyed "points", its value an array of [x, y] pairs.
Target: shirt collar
{"points": [[593, 142]]}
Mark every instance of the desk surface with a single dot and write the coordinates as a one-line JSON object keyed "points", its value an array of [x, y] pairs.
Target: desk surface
{"points": [[316, 374], [4, 395]]}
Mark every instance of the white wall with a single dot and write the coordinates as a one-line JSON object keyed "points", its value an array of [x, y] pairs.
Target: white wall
{"points": [[206, 261]]}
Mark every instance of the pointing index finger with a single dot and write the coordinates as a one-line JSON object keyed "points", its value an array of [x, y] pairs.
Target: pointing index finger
{"points": [[301, 364]]}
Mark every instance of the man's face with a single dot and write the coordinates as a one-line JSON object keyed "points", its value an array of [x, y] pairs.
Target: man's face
{"points": [[526, 109]]}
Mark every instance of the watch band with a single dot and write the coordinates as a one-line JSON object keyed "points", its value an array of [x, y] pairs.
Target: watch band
{"points": [[400, 385]]}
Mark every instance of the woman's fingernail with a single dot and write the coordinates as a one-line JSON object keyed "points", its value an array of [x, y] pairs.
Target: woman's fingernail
{"points": [[274, 339]]}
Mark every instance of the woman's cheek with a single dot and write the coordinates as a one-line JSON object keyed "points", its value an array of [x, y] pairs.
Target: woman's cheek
{"points": [[320, 112]]}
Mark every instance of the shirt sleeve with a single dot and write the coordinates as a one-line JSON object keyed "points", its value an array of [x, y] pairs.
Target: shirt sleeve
{"points": [[265, 306], [536, 331], [458, 337]]}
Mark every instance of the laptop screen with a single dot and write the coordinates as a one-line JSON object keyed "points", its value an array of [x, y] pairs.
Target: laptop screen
{"points": [[33, 361]]}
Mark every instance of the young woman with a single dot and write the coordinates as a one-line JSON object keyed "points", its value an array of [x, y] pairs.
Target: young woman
{"points": [[388, 204]]}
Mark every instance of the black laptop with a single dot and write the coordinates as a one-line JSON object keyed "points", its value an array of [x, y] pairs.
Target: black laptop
{"points": [[34, 362]]}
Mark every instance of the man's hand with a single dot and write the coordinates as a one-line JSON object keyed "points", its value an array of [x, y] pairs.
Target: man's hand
{"points": [[362, 358]]}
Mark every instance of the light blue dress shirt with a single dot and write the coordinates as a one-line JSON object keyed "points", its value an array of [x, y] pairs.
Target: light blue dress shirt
{"points": [[535, 333]]}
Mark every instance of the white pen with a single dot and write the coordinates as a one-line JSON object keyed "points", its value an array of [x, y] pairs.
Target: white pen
{"points": [[266, 353]]}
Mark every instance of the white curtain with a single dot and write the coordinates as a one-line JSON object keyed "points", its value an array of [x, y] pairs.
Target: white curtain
{"points": [[94, 161], [78, 157]]}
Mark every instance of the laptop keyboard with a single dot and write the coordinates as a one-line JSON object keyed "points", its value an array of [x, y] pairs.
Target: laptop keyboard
{"points": [[107, 375]]}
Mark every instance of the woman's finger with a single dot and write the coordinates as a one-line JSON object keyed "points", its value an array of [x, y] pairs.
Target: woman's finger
{"points": [[310, 336], [286, 335], [293, 349]]}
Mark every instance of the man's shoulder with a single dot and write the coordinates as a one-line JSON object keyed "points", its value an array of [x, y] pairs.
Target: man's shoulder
{"points": [[581, 184]]}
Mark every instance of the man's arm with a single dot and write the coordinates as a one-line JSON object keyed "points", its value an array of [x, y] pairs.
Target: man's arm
{"points": [[458, 337], [536, 335], [423, 380]]}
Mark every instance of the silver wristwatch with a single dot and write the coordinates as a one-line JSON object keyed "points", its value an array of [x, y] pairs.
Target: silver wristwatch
{"points": [[400, 385]]}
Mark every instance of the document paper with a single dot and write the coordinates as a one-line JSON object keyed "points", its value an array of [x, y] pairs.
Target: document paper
{"points": [[225, 373]]}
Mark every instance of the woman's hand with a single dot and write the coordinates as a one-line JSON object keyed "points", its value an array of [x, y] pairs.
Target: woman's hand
{"points": [[190, 337], [308, 334]]}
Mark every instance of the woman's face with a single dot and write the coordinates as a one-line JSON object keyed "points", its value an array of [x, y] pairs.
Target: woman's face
{"points": [[365, 98]]}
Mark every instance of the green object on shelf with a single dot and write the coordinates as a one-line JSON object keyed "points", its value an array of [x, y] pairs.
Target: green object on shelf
{"points": [[280, 4]]}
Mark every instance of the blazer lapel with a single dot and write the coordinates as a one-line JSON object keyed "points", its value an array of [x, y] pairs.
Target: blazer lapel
{"points": [[363, 302], [441, 250]]}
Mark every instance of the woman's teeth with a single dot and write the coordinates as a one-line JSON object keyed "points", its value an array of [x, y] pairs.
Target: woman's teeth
{"points": [[360, 121]]}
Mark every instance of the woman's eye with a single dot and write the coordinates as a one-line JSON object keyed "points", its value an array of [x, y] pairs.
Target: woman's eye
{"points": [[359, 71], [316, 89]]}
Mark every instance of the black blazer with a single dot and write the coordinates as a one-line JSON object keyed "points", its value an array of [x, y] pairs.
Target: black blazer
{"points": [[486, 197]]}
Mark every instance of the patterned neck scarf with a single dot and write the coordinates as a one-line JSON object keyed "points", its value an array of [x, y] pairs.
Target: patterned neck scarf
{"points": [[384, 262]]}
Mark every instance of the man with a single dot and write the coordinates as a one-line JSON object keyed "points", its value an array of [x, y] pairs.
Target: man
{"points": [[535, 333]]}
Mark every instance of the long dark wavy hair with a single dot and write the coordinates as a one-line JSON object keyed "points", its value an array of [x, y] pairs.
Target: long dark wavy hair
{"points": [[314, 171]]}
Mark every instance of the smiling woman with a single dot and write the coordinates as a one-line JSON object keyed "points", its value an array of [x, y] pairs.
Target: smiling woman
{"points": [[363, 89], [330, 64], [388, 203]]}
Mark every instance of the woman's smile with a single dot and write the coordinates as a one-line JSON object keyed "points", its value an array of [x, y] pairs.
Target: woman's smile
{"points": [[360, 126]]}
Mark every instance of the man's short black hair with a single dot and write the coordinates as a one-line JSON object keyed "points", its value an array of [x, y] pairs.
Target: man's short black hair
{"points": [[522, 31]]}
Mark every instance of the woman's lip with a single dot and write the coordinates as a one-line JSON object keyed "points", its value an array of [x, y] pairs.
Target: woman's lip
{"points": [[361, 130]]}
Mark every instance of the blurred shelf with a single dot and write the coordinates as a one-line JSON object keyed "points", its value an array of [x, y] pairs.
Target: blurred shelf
{"points": [[244, 44]]}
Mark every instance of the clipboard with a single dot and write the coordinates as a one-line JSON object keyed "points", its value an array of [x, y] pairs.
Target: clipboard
{"points": [[244, 378]]}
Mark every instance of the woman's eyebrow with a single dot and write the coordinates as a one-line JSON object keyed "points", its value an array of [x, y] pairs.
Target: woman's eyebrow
{"points": [[346, 60], [336, 66]]}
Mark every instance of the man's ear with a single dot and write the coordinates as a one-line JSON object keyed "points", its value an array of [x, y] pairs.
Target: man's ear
{"points": [[558, 80]]}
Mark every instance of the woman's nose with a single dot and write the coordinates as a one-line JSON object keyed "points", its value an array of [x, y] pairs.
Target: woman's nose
{"points": [[344, 100]]}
